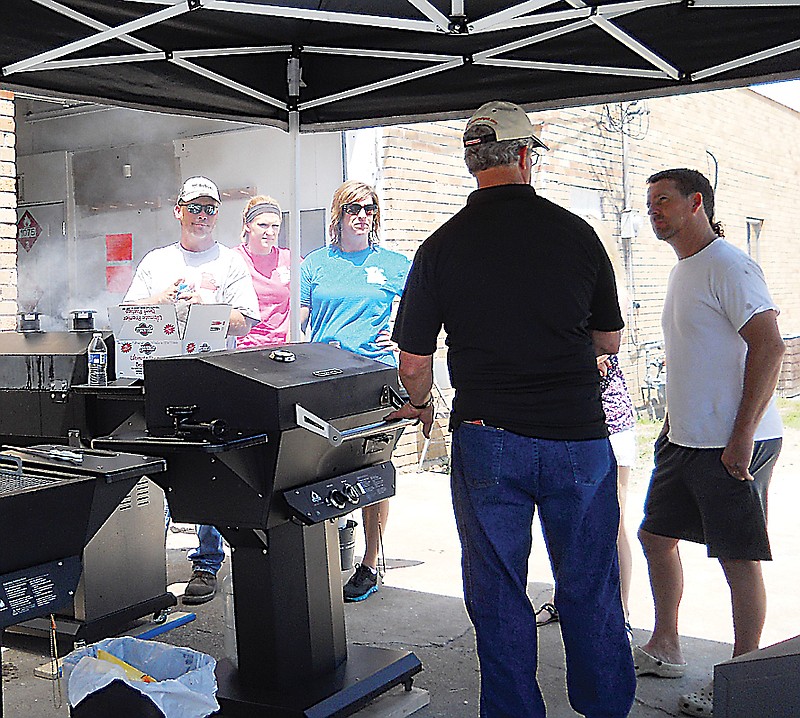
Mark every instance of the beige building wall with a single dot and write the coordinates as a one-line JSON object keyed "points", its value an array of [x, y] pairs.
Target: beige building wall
{"points": [[746, 144], [8, 214]]}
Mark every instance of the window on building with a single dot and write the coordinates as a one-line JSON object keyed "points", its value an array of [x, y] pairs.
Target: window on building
{"points": [[312, 230], [754, 226]]}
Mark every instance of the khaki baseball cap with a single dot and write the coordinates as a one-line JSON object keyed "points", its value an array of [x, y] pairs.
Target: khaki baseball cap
{"points": [[195, 187], [508, 121]]}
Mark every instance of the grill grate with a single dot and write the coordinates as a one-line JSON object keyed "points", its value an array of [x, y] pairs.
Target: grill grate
{"points": [[13, 480]]}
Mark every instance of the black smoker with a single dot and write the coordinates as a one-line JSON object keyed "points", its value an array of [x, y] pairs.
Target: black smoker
{"points": [[269, 446], [38, 403], [53, 499]]}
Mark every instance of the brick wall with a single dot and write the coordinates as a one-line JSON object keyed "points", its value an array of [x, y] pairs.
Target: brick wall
{"points": [[8, 214], [750, 144], [789, 380]]}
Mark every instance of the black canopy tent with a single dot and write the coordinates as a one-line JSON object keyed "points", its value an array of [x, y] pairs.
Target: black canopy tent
{"points": [[384, 61], [334, 64]]}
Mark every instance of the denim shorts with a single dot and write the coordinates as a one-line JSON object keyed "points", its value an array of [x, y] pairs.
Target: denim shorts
{"points": [[693, 497]]}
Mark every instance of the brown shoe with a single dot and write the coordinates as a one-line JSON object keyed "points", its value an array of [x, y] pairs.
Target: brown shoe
{"points": [[202, 587]]}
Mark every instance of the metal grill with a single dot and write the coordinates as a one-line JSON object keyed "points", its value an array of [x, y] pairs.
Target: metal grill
{"points": [[12, 479]]}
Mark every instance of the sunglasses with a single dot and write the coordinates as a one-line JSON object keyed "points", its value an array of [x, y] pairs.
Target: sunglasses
{"points": [[355, 208], [194, 208]]}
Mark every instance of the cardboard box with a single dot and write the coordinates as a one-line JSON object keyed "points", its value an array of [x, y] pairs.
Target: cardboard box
{"points": [[142, 331]]}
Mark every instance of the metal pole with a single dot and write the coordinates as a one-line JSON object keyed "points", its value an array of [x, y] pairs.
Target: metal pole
{"points": [[295, 334], [293, 71]]}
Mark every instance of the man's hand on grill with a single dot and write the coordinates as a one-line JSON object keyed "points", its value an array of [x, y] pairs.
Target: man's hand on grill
{"points": [[409, 412]]}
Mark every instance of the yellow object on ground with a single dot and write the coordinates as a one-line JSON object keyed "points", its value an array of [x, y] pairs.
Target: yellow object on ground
{"points": [[133, 673]]}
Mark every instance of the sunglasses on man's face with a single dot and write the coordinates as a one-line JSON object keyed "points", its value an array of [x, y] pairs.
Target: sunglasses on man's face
{"points": [[194, 208], [355, 208]]}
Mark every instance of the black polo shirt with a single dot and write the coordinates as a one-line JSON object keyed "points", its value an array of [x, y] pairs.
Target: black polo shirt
{"points": [[518, 284]]}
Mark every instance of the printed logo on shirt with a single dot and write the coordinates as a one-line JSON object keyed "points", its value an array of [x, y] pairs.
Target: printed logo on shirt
{"points": [[283, 274], [207, 281], [375, 275]]}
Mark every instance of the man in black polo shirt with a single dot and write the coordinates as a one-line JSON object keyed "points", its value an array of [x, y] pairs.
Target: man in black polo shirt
{"points": [[526, 295]]}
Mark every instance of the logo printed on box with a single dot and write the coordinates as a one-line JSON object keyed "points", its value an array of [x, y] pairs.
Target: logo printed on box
{"points": [[166, 335]]}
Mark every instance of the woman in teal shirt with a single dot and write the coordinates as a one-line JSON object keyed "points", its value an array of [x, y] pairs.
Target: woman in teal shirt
{"points": [[346, 293]]}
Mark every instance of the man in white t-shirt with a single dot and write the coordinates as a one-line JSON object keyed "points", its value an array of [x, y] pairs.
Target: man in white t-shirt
{"points": [[198, 270], [722, 435]]}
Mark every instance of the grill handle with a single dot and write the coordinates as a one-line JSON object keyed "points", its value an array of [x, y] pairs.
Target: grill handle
{"points": [[311, 422]]}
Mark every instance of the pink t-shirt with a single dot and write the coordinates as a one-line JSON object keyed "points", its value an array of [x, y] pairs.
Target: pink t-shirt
{"points": [[270, 273]]}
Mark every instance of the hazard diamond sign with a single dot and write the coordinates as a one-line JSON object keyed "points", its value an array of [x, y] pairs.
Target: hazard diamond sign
{"points": [[28, 230]]}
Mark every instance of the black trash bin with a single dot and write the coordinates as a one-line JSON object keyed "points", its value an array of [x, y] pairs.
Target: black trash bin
{"points": [[119, 700]]}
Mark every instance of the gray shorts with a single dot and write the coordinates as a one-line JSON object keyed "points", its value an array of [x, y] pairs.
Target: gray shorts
{"points": [[693, 497]]}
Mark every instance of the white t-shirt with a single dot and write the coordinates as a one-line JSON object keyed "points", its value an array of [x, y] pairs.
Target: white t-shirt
{"points": [[710, 297], [218, 274]]}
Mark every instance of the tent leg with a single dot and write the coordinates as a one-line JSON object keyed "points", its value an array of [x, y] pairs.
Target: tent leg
{"points": [[295, 334]]}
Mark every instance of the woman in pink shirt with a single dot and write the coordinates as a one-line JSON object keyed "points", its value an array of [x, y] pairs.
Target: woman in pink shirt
{"points": [[269, 268]]}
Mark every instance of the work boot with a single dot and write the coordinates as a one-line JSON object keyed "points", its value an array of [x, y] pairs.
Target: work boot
{"points": [[202, 587]]}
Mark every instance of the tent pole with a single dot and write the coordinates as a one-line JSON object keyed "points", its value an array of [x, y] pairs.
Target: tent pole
{"points": [[295, 334], [294, 82]]}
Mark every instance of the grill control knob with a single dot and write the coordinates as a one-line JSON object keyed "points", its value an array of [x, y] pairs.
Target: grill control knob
{"points": [[337, 499], [351, 492]]}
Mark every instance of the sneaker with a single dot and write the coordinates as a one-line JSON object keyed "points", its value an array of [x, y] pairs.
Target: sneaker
{"points": [[362, 584], [202, 587]]}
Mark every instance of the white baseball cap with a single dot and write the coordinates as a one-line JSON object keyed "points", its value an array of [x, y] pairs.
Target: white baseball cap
{"points": [[195, 187], [508, 121]]}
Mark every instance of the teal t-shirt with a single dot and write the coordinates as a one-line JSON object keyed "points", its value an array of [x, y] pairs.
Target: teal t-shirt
{"points": [[350, 295]]}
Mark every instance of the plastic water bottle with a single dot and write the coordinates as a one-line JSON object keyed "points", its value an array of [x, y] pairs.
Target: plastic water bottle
{"points": [[98, 359]]}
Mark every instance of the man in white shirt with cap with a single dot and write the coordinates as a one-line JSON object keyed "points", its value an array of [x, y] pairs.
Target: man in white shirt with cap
{"points": [[199, 270]]}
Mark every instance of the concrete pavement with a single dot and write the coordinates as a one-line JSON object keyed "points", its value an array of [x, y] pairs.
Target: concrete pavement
{"points": [[420, 608]]}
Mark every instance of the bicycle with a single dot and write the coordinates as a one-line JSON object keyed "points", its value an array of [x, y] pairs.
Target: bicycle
{"points": [[654, 387]]}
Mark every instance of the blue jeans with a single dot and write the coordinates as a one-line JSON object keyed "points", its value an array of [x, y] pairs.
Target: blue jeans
{"points": [[208, 556], [498, 478]]}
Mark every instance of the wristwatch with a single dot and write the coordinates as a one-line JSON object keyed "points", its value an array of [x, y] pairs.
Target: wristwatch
{"points": [[424, 405]]}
